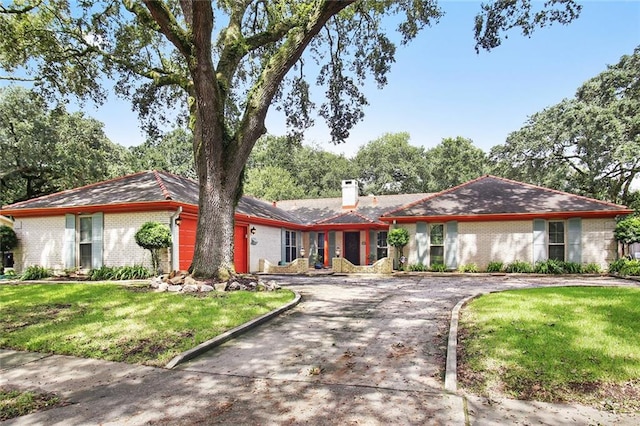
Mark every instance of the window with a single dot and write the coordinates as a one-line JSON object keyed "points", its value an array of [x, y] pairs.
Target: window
{"points": [[85, 242], [382, 249], [291, 246], [556, 240], [436, 244]]}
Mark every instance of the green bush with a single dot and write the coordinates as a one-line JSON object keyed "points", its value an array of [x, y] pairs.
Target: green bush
{"points": [[135, 272], [495, 267], [519, 267], [107, 273], [35, 272], [103, 273], [616, 266], [438, 267], [471, 267], [631, 267], [418, 267], [572, 268], [550, 266], [591, 268]]}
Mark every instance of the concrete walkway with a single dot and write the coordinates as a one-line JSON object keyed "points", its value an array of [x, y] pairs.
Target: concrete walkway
{"points": [[356, 350]]}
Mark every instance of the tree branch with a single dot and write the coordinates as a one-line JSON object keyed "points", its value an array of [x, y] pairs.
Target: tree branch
{"points": [[166, 22]]}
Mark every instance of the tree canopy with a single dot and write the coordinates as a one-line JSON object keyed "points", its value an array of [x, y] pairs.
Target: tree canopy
{"points": [[221, 65], [588, 144], [45, 150]]}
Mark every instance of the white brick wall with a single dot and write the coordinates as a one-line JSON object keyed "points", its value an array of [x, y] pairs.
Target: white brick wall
{"points": [[120, 248], [267, 247], [484, 242], [41, 240], [598, 244]]}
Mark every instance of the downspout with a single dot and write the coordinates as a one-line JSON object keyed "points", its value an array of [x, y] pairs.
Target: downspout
{"points": [[175, 240]]}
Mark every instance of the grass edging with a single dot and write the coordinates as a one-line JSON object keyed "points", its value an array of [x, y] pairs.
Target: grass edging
{"points": [[451, 369], [230, 334]]}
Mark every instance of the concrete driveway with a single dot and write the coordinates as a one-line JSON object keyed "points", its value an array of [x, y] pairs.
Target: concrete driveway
{"points": [[356, 350]]}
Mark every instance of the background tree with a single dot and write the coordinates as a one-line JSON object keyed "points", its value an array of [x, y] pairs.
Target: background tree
{"points": [[390, 165], [303, 171], [272, 183], [452, 162], [172, 153], [228, 71], [588, 144], [46, 150], [627, 232], [153, 236]]}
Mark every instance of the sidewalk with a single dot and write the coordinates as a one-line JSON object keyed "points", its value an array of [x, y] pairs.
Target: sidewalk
{"points": [[375, 346]]}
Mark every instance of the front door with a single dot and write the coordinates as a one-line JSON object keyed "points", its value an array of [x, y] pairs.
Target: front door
{"points": [[240, 249], [352, 247]]}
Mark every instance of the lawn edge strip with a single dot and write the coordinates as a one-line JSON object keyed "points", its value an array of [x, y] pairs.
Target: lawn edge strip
{"points": [[230, 334], [451, 368]]}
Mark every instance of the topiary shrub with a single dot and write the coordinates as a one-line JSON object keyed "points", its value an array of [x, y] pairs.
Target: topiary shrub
{"points": [[398, 238], [154, 236]]}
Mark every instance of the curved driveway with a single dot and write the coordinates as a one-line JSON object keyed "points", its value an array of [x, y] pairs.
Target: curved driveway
{"points": [[361, 350]]}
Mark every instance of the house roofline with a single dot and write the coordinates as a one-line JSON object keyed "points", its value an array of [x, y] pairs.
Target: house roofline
{"points": [[597, 214], [106, 208]]}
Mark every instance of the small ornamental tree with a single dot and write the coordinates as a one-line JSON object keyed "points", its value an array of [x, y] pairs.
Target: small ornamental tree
{"points": [[628, 231], [8, 241], [154, 236], [398, 238]]}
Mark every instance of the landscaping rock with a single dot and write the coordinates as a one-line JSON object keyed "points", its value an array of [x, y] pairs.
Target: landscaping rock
{"points": [[177, 280], [174, 288], [163, 287], [205, 288], [220, 286], [190, 288], [155, 282], [189, 280], [234, 286]]}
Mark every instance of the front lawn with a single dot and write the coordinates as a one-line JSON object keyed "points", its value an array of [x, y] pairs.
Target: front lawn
{"points": [[579, 344], [120, 323]]}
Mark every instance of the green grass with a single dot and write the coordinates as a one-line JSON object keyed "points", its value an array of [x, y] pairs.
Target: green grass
{"points": [[576, 344], [14, 403], [119, 323]]}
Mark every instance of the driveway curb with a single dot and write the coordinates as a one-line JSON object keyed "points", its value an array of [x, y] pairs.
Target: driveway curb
{"points": [[228, 335], [451, 371]]}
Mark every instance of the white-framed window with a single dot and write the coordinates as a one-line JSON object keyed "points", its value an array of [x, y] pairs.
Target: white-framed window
{"points": [[85, 242], [436, 244], [382, 247], [291, 246], [556, 233]]}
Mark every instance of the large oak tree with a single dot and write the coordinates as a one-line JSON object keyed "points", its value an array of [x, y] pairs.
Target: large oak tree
{"points": [[224, 63]]}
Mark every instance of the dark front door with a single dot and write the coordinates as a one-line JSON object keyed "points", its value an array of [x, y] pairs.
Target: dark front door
{"points": [[352, 247]]}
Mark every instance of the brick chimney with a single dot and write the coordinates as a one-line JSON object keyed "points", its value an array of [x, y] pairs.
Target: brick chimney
{"points": [[349, 194]]}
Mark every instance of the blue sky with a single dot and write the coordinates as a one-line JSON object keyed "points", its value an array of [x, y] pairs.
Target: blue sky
{"points": [[439, 87]]}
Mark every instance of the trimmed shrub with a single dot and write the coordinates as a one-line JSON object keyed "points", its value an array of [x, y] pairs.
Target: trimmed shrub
{"points": [[153, 236], [495, 267]]}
